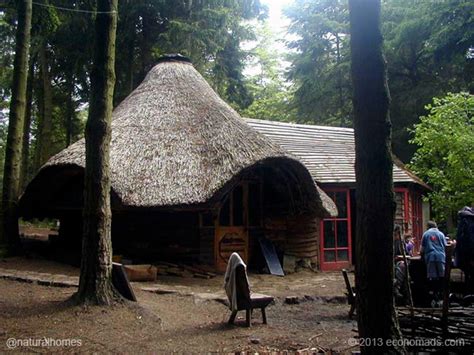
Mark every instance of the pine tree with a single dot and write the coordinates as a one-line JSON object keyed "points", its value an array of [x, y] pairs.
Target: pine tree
{"points": [[95, 285], [375, 205], [11, 177]]}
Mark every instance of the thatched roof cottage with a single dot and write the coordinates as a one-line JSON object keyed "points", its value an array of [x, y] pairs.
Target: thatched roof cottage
{"points": [[191, 180]]}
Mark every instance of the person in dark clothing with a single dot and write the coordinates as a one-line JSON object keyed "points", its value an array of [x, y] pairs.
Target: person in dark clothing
{"points": [[397, 244], [399, 281], [464, 252]]}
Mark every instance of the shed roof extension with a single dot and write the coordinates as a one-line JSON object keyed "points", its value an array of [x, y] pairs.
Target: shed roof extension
{"points": [[327, 152]]}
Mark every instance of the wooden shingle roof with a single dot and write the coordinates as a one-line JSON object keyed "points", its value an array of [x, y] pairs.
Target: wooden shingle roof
{"points": [[327, 152]]}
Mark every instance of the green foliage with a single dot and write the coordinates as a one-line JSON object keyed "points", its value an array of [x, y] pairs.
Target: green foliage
{"points": [[425, 46], [271, 94], [45, 21], [320, 63], [444, 156], [209, 32]]}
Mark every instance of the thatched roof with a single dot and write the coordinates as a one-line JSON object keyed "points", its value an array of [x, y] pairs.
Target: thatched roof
{"points": [[176, 142]]}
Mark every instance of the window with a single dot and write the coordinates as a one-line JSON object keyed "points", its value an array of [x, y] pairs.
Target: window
{"points": [[336, 233], [233, 210]]}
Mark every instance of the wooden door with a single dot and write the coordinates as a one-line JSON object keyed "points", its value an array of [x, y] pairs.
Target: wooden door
{"points": [[231, 230], [227, 241]]}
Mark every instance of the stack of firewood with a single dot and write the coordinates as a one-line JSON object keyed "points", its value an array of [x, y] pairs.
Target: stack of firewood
{"points": [[428, 323], [182, 270]]}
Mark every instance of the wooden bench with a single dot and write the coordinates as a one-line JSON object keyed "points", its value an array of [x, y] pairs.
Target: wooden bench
{"points": [[351, 295], [246, 301]]}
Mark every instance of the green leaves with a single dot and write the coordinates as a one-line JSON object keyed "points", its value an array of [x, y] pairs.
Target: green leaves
{"points": [[425, 48], [444, 157], [320, 67]]}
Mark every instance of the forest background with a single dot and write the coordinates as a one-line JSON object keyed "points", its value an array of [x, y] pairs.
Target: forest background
{"points": [[429, 48]]}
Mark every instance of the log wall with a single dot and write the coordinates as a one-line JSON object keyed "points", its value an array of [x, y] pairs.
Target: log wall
{"points": [[206, 245], [297, 236]]}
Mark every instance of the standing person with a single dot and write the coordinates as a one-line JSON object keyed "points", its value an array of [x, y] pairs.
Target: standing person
{"points": [[433, 246], [397, 243], [409, 245], [465, 245]]}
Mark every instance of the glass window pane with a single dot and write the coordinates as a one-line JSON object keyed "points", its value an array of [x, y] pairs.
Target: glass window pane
{"points": [[224, 215], [341, 203], [329, 255], [238, 206], [342, 237], [329, 234], [342, 255]]}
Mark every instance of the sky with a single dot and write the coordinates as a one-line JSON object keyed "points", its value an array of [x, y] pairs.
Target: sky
{"points": [[276, 19], [278, 24]]}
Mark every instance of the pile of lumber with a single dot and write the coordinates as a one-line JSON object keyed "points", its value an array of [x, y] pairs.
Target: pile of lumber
{"points": [[428, 323], [182, 270]]}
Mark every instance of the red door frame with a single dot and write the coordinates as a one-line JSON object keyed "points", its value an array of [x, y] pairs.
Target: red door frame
{"points": [[413, 215], [337, 265]]}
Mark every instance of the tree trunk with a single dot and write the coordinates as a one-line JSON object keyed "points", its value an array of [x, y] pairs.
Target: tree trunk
{"points": [[70, 109], [45, 129], [339, 80], [95, 285], [377, 321], [25, 151], [38, 92], [11, 175]]}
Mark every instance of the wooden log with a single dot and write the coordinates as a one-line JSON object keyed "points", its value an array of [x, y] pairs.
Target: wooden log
{"points": [[141, 272]]}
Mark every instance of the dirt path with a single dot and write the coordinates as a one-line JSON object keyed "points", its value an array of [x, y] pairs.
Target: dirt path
{"points": [[164, 323], [305, 283]]}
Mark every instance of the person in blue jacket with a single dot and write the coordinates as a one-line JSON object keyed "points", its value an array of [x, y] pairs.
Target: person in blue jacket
{"points": [[433, 250]]}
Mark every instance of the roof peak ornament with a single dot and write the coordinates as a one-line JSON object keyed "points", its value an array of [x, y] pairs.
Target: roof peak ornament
{"points": [[173, 57]]}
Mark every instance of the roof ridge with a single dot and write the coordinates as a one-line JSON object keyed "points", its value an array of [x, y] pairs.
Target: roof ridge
{"points": [[305, 125]]}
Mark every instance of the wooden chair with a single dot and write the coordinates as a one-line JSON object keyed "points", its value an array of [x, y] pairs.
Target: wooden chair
{"points": [[351, 295], [247, 301]]}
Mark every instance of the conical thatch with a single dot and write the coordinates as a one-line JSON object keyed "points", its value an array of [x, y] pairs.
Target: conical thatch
{"points": [[175, 142]]}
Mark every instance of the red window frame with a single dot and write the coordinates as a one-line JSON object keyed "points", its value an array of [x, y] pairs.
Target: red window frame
{"points": [[337, 265]]}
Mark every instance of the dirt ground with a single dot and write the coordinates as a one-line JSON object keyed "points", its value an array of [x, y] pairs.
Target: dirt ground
{"points": [[326, 285], [174, 322]]}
